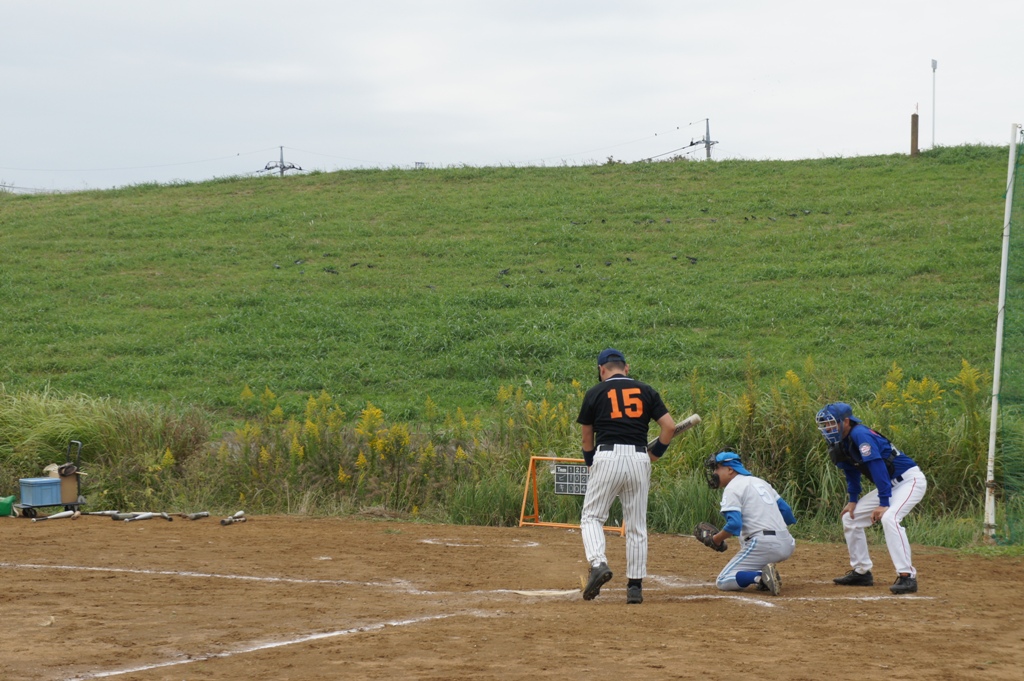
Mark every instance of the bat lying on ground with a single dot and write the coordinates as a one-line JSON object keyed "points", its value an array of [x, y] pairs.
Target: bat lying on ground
{"points": [[238, 517], [55, 516], [194, 516], [100, 512], [687, 423], [126, 517]]}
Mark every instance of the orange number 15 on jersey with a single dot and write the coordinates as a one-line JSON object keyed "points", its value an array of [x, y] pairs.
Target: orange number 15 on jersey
{"points": [[630, 401]]}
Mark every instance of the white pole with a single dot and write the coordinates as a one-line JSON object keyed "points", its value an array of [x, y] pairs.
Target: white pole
{"points": [[935, 65], [990, 475]]}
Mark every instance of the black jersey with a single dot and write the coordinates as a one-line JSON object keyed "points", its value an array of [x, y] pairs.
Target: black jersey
{"points": [[620, 409]]}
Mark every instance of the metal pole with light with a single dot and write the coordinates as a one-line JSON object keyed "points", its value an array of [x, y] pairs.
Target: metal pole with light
{"points": [[935, 65]]}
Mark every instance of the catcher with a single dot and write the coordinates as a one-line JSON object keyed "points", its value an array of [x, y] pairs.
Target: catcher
{"points": [[756, 514]]}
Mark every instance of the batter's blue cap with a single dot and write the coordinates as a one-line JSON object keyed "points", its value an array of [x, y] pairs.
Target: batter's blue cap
{"points": [[610, 355], [732, 460]]}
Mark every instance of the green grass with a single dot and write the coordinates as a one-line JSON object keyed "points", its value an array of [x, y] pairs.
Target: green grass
{"points": [[187, 293], [469, 305]]}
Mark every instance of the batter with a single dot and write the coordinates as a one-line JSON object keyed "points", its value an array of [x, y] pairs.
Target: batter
{"points": [[616, 413]]}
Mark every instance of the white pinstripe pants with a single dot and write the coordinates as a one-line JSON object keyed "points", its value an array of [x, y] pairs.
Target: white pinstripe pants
{"points": [[624, 473], [905, 496]]}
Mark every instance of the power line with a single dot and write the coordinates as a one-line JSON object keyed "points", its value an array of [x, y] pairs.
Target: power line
{"points": [[163, 165], [314, 153], [622, 144], [281, 166]]}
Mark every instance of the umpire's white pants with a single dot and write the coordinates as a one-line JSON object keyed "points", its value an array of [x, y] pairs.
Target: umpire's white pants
{"points": [[905, 496], [624, 472]]}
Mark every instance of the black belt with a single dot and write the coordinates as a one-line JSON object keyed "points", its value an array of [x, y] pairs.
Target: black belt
{"points": [[608, 448], [767, 533], [898, 478]]}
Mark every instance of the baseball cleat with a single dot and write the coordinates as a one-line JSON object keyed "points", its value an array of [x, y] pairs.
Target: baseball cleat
{"points": [[904, 585], [599, 575], [770, 578], [634, 594], [854, 578]]}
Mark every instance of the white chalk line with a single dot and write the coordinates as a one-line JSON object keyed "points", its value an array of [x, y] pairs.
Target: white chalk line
{"points": [[678, 582], [397, 584], [745, 600], [263, 646], [517, 544], [406, 587], [777, 600], [402, 586], [891, 597]]}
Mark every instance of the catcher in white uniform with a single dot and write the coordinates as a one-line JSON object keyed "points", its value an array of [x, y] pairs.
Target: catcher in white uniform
{"points": [[616, 413], [756, 514]]}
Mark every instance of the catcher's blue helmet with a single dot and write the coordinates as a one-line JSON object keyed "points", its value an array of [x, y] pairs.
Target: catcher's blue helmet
{"points": [[726, 458], [830, 420]]}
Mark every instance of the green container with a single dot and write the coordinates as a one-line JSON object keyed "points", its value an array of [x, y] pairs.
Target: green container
{"points": [[7, 506]]}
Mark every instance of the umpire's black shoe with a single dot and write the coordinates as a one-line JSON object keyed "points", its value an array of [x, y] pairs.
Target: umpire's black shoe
{"points": [[599, 575], [905, 584], [854, 578], [634, 594]]}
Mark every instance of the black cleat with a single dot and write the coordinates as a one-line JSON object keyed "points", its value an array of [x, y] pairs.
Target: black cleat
{"points": [[904, 585], [599, 575], [634, 594], [854, 578]]}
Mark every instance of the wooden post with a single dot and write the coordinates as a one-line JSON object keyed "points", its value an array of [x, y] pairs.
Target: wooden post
{"points": [[913, 135]]}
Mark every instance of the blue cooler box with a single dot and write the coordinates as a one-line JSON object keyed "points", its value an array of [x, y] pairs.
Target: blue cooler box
{"points": [[40, 491]]}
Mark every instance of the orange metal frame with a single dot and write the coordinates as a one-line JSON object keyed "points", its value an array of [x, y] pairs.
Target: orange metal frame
{"points": [[531, 483]]}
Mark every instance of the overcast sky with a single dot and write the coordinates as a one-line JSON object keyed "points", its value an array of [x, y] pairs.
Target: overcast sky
{"points": [[115, 92]]}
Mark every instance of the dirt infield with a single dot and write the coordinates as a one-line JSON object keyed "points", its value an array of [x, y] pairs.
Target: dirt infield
{"points": [[302, 598]]}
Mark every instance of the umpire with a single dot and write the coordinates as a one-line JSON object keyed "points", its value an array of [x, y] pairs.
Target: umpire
{"points": [[899, 485], [617, 412]]}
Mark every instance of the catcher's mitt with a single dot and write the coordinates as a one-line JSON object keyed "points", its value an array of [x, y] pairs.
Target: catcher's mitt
{"points": [[705, 534]]}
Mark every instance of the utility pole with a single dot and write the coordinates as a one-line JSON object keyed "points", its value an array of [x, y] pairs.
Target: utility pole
{"points": [[707, 137], [281, 165]]}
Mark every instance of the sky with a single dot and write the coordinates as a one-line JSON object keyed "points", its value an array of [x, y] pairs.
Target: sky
{"points": [[110, 93]]}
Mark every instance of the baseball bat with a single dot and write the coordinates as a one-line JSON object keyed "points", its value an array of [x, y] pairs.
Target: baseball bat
{"points": [[100, 512], [687, 423], [238, 517], [140, 516], [55, 516], [195, 516]]}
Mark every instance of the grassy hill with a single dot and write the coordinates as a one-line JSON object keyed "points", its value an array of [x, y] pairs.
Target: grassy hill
{"points": [[390, 285]]}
